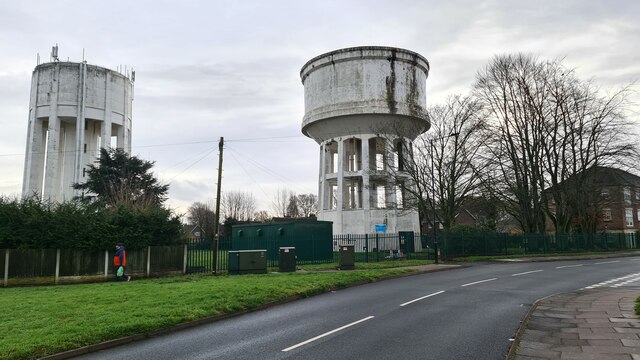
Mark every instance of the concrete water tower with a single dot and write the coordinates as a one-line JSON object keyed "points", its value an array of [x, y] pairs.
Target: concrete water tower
{"points": [[75, 109], [364, 106]]}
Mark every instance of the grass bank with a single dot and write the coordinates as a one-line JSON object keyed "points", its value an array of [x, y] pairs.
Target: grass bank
{"points": [[39, 321], [367, 266]]}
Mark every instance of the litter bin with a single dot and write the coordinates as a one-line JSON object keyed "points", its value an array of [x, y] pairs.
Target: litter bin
{"points": [[347, 257], [287, 259], [248, 262]]}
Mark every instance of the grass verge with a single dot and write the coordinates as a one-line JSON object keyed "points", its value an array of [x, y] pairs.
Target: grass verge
{"points": [[40, 321], [638, 306], [368, 266]]}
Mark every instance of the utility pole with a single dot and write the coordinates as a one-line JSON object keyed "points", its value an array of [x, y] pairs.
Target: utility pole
{"points": [[216, 224]]}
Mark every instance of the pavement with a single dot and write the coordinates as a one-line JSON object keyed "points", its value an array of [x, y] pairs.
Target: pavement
{"points": [[585, 324]]}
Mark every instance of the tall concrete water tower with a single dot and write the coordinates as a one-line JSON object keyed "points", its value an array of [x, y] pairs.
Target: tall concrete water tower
{"points": [[364, 106], [75, 109]]}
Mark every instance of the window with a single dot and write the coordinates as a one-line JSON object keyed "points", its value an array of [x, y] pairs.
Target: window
{"points": [[400, 196], [353, 154], [377, 154], [628, 214], [352, 197], [333, 196], [638, 212], [381, 197], [331, 161], [627, 195], [398, 149], [606, 214]]}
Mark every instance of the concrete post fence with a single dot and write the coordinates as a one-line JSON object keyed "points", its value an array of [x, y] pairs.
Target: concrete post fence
{"points": [[58, 266]]}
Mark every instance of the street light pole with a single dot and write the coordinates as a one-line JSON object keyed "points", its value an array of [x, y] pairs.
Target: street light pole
{"points": [[433, 191], [433, 200]]}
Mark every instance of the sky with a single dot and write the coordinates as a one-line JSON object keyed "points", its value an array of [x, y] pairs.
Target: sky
{"points": [[211, 69]]}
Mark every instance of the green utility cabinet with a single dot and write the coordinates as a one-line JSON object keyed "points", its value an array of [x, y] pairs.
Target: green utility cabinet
{"points": [[347, 257], [248, 262], [287, 259]]}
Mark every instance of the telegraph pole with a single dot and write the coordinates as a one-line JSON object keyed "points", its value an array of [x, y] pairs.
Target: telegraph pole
{"points": [[216, 224]]}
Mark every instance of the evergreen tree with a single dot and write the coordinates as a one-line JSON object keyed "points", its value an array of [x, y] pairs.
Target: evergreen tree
{"points": [[121, 179]]}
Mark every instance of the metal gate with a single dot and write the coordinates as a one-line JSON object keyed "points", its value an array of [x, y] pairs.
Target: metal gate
{"points": [[199, 256]]}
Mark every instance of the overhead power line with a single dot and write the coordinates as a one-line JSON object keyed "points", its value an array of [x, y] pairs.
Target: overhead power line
{"points": [[261, 139]]}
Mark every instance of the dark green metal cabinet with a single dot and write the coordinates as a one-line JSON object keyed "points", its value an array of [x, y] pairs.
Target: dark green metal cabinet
{"points": [[313, 240], [248, 262]]}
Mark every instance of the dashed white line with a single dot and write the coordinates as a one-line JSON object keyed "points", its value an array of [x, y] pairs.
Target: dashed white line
{"points": [[478, 282], [421, 298], [327, 333], [526, 272], [607, 262], [568, 266]]}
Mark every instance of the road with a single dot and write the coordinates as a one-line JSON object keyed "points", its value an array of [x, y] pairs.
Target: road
{"points": [[467, 313]]}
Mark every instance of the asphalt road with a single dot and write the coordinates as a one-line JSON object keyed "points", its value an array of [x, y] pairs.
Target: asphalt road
{"points": [[467, 313]]}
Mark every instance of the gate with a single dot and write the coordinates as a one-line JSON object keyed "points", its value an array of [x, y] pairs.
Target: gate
{"points": [[199, 256]]}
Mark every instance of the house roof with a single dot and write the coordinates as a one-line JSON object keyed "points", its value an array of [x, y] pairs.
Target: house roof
{"points": [[190, 229], [613, 176], [603, 176]]}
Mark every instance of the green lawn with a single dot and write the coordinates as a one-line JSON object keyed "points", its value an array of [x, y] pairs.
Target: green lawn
{"points": [[371, 265], [39, 321]]}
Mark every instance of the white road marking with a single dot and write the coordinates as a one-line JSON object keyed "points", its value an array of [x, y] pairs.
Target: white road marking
{"points": [[527, 272], [420, 298], [607, 262], [626, 282], [636, 259], [478, 282], [327, 333], [623, 279], [567, 266]]}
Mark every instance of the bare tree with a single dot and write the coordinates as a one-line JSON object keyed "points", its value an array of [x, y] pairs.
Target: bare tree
{"points": [[453, 144], [307, 204], [512, 89], [202, 215], [292, 207], [238, 205], [440, 162], [281, 201], [262, 216], [546, 129]]}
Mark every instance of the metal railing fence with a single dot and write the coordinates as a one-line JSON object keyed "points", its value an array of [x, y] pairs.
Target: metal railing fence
{"points": [[46, 266], [452, 246]]}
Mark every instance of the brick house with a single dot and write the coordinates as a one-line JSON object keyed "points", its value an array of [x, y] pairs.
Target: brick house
{"points": [[191, 232], [619, 201], [615, 201]]}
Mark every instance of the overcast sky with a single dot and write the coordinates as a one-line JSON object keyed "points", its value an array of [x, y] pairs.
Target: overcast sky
{"points": [[206, 69]]}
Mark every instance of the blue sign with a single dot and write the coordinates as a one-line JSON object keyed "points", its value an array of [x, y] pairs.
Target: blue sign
{"points": [[381, 228]]}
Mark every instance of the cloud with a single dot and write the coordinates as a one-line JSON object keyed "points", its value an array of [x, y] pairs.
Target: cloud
{"points": [[227, 68]]}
